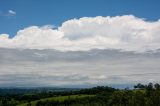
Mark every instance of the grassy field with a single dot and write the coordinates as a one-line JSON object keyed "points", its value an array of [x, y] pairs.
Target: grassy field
{"points": [[59, 98]]}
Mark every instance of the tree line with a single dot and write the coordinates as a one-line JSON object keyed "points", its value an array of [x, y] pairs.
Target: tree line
{"points": [[141, 95]]}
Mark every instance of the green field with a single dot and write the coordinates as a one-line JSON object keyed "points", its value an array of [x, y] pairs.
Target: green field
{"points": [[59, 98]]}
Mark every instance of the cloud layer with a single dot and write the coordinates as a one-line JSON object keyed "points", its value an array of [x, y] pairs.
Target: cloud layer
{"points": [[88, 68], [127, 33]]}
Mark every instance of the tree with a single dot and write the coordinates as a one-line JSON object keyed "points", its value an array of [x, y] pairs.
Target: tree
{"points": [[139, 86], [157, 86]]}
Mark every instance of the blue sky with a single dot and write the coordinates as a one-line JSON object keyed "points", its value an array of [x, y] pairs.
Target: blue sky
{"points": [[55, 12]]}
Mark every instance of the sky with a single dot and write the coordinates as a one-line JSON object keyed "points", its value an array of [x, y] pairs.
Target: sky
{"points": [[79, 43], [55, 12]]}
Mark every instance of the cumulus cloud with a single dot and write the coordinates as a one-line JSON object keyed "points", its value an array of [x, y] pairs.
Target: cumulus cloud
{"points": [[128, 33]]}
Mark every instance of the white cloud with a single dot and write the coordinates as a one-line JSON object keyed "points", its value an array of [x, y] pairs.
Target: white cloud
{"points": [[127, 32], [11, 12]]}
